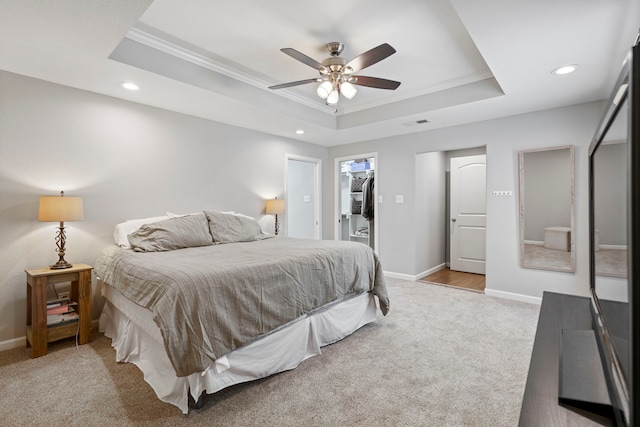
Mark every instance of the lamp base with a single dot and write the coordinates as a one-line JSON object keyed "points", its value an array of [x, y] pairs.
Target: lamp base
{"points": [[60, 241], [60, 265]]}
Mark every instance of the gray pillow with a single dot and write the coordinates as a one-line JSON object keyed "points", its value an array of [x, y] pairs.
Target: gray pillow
{"points": [[175, 233], [230, 228]]}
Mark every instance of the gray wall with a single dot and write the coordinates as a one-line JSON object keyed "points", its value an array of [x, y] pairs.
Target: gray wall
{"points": [[431, 221], [503, 139], [128, 161], [610, 170], [547, 192]]}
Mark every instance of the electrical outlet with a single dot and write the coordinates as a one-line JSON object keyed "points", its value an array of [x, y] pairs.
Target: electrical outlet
{"points": [[64, 295]]}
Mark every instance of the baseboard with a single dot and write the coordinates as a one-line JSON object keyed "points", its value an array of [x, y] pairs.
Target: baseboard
{"points": [[400, 276], [20, 342], [431, 271], [488, 292], [615, 247], [512, 296], [13, 343], [534, 242]]}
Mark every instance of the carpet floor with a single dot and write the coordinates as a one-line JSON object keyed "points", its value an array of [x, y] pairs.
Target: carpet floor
{"points": [[442, 357]]}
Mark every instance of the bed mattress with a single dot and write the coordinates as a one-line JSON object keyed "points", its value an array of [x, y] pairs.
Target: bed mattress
{"points": [[208, 301], [138, 340]]}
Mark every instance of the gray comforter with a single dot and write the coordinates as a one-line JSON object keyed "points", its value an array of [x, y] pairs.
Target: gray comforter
{"points": [[208, 301]]}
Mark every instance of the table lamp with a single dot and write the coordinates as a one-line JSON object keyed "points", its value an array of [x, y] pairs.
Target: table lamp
{"points": [[60, 209], [275, 207]]}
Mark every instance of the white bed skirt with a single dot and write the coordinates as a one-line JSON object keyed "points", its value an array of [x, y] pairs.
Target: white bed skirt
{"points": [[137, 340]]}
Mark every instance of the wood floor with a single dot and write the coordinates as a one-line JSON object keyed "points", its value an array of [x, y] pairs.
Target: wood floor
{"points": [[457, 279]]}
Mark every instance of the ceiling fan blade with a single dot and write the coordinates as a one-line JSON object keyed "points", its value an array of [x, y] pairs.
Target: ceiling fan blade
{"points": [[374, 82], [299, 82], [370, 57], [303, 58]]}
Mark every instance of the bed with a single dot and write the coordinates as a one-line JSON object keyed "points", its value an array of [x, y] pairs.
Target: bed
{"points": [[202, 302]]}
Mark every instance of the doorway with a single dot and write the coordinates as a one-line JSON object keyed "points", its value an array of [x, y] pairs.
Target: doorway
{"points": [[457, 279], [302, 195], [433, 196], [356, 199]]}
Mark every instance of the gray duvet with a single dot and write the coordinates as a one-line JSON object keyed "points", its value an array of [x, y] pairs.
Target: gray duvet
{"points": [[208, 301]]}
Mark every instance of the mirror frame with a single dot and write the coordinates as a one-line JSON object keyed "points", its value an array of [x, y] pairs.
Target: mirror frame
{"points": [[572, 267]]}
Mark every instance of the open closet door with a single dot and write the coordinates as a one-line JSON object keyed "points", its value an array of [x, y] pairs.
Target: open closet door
{"points": [[468, 208], [357, 197]]}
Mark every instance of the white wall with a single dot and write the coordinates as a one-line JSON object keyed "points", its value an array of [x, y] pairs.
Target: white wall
{"points": [[127, 161], [503, 139]]}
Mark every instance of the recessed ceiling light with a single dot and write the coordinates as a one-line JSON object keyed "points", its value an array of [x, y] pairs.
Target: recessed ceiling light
{"points": [[129, 86], [566, 69], [299, 131]]}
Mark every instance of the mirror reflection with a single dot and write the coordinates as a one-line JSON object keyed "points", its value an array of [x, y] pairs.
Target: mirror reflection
{"points": [[546, 209], [610, 175], [610, 208]]}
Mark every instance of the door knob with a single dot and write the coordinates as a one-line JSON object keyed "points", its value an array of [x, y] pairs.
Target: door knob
{"points": [[453, 219]]}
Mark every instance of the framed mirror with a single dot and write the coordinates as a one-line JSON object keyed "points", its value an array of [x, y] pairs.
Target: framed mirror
{"points": [[547, 230]]}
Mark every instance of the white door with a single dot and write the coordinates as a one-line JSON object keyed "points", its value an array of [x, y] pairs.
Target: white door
{"points": [[302, 198], [468, 203]]}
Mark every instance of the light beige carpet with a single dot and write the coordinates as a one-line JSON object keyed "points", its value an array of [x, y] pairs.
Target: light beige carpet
{"points": [[442, 357]]}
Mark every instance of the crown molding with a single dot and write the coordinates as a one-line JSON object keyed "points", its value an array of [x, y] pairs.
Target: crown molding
{"points": [[179, 52]]}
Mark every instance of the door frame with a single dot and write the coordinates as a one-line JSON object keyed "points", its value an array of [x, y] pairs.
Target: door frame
{"points": [[317, 189], [424, 185], [337, 215]]}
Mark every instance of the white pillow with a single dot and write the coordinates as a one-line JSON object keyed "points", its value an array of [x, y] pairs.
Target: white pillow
{"points": [[129, 226]]}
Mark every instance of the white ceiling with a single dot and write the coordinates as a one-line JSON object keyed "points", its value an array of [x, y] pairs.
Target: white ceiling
{"points": [[459, 61]]}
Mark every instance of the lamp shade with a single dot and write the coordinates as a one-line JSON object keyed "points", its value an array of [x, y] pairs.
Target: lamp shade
{"points": [[274, 207], [324, 89], [60, 208], [333, 97], [348, 90]]}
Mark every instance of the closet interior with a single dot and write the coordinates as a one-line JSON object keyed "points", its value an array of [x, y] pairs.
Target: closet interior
{"points": [[357, 204]]}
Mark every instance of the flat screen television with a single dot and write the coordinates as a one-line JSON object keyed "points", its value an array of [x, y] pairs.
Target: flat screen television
{"points": [[614, 220]]}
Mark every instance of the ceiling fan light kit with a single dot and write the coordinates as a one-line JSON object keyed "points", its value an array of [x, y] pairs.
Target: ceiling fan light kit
{"points": [[337, 74], [324, 89], [348, 90]]}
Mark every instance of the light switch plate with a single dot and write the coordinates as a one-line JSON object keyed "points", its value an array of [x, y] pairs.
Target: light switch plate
{"points": [[399, 198]]}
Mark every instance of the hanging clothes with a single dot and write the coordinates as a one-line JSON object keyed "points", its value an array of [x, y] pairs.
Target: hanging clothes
{"points": [[367, 198]]}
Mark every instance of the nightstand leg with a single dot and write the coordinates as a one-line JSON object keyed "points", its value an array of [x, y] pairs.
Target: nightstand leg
{"points": [[84, 306], [39, 317], [29, 306]]}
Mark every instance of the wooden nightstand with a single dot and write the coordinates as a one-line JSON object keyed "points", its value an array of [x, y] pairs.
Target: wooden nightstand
{"points": [[38, 335]]}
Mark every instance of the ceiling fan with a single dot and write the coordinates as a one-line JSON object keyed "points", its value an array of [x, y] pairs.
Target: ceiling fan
{"points": [[337, 75]]}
